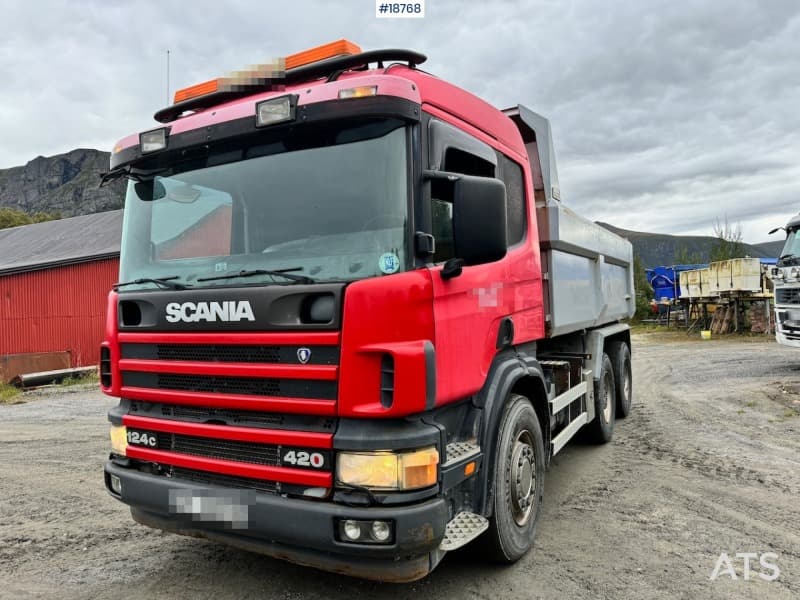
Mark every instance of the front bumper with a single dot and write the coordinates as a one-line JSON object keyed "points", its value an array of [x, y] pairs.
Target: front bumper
{"points": [[300, 531], [787, 332]]}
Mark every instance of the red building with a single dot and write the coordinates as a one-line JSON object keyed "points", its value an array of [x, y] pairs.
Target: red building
{"points": [[54, 280]]}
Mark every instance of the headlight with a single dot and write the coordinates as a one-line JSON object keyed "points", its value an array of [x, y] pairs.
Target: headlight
{"points": [[119, 439], [388, 470], [152, 141], [275, 110], [793, 272]]}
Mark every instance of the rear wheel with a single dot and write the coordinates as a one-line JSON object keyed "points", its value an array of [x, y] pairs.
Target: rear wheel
{"points": [[621, 359], [601, 429], [518, 483]]}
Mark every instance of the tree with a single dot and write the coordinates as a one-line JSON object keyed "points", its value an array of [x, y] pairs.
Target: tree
{"points": [[729, 241], [643, 289], [11, 217], [683, 257]]}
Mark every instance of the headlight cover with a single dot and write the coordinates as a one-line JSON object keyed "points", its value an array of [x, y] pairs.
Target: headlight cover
{"points": [[119, 439], [387, 470]]}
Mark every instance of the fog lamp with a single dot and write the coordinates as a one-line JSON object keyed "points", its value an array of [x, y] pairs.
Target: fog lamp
{"points": [[119, 439], [388, 470], [116, 484], [351, 529], [152, 141], [275, 110], [381, 531], [365, 532]]}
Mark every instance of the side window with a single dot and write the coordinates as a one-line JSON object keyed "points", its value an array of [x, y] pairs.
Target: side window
{"points": [[442, 220], [455, 161], [511, 174]]}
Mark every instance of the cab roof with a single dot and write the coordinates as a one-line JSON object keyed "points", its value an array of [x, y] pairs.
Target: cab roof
{"points": [[234, 97]]}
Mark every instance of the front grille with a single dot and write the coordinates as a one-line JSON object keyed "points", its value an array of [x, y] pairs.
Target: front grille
{"points": [[248, 452], [787, 296], [220, 385], [318, 355], [270, 487], [250, 386], [233, 417], [228, 416], [255, 354]]}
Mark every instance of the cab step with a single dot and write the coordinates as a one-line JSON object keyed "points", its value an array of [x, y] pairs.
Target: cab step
{"points": [[460, 451], [464, 528]]}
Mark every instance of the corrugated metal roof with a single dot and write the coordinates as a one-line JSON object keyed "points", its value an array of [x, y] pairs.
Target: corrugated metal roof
{"points": [[61, 242]]}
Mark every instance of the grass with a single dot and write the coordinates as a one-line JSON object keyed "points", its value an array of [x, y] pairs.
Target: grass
{"points": [[80, 379], [9, 394]]}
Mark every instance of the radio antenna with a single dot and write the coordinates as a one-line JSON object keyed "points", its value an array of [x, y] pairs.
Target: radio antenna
{"points": [[168, 77]]}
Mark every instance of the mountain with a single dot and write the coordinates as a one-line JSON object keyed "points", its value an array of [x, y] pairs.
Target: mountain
{"points": [[772, 248], [66, 184], [657, 249]]}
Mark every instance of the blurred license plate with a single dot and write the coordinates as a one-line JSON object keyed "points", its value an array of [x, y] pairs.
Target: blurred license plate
{"points": [[230, 508]]}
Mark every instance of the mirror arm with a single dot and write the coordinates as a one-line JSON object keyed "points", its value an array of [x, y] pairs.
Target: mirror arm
{"points": [[429, 174], [452, 268]]}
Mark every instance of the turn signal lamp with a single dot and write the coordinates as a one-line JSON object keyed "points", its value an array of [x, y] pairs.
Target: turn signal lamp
{"points": [[119, 439], [256, 74], [358, 92], [388, 470]]}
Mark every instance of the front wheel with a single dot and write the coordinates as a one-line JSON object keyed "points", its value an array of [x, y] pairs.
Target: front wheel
{"points": [[518, 483]]}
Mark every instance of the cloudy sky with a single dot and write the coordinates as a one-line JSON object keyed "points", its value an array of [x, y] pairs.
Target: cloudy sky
{"points": [[667, 115]]}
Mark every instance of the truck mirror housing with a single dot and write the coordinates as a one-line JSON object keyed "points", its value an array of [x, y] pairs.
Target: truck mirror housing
{"points": [[479, 219]]}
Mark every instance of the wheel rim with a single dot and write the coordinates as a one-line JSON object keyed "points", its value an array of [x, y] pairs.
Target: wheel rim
{"points": [[607, 398], [523, 477], [626, 385]]}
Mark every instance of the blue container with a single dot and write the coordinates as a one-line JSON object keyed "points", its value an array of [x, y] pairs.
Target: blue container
{"points": [[665, 282]]}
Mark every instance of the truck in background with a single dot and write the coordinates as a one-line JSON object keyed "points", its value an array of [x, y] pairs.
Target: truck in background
{"points": [[354, 321], [786, 281]]}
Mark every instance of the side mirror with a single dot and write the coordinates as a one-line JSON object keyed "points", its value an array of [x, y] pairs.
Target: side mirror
{"points": [[150, 189], [479, 219]]}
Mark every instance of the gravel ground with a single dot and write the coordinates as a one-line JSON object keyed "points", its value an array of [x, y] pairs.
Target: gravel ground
{"points": [[707, 463]]}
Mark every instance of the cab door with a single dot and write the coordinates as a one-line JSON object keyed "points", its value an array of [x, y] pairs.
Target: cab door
{"points": [[477, 309]]}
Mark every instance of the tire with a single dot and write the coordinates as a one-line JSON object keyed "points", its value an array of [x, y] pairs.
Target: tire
{"points": [[601, 429], [623, 377], [518, 483]]}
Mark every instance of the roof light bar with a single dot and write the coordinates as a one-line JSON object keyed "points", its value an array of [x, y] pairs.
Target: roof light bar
{"points": [[200, 89], [257, 75], [306, 57]]}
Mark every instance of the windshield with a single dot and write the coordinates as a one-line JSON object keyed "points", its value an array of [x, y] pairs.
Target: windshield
{"points": [[791, 249], [330, 206]]}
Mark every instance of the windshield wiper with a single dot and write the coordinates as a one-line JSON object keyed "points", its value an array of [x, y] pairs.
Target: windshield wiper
{"points": [[286, 273], [165, 282]]}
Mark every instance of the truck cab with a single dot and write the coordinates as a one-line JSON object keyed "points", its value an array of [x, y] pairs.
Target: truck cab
{"points": [[786, 281], [354, 321]]}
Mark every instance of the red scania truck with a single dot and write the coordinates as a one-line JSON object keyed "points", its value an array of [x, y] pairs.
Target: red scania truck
{"points": [[354, 320]]}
